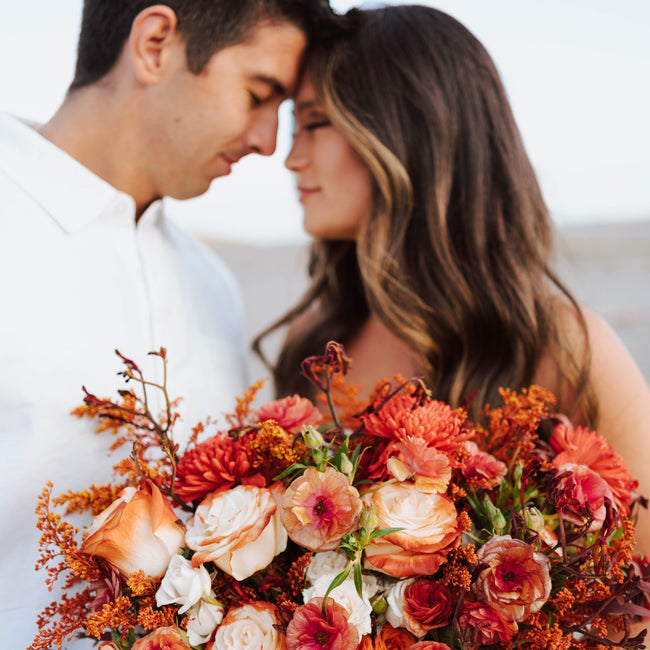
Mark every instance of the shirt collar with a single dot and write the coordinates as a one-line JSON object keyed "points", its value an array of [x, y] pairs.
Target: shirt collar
{"points": [[69, 192]]}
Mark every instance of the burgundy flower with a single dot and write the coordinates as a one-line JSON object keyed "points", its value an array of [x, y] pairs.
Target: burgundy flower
{"points": [[515, 579], [482, 623], [310, 630], [427, 605]]}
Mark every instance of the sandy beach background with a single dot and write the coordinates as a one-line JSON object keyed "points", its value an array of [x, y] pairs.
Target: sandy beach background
{"points": [[607, 266]]}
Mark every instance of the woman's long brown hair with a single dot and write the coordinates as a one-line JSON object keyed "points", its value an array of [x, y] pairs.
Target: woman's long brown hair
{"points": [[455, 256]]}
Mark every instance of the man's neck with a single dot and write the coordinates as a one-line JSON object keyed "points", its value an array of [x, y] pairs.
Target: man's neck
{"points": [[96, 129]]}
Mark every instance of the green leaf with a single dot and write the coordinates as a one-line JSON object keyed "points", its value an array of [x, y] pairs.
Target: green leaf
{"points": [[293, 468], [384, 531], [338, 580], [358, 582]]}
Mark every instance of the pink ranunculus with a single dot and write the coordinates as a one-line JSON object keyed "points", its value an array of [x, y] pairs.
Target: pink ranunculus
{"points": [[239, 530], [583, 493], [481, 466], [319, 508], [164, 638], [427, 605], [253, 626], [430, 530], [138, 531], [483, 624], [515, 579], [291, 413], [429, 645], [310, 630]]}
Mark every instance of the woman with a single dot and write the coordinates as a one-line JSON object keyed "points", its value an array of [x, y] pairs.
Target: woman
{"points": [[432, 240]]}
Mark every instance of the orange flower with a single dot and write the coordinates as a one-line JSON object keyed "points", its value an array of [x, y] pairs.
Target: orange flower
{"points": [[584, 447], [430, 529], [435, 423], [482, 622], [394, 638], [290, 413], [164, 638], [138, 531], [515, 580], [319, 508], [218, 463], [427, 605]]}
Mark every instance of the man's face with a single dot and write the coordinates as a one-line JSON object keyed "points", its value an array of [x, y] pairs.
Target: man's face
{"points": [[198, 126]]}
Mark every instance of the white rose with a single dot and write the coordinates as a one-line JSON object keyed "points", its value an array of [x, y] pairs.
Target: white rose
{"points": [[202, 621], [183, 585], [346, 595], [394, 596], [326, 563], [239, 530], [249, 627]]}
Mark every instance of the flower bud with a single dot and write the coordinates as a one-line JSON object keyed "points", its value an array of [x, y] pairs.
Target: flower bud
{"points": [[312, 437]]}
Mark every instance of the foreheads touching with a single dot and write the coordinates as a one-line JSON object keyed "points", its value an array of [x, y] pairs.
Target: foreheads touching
{"points": [[206, 27]]}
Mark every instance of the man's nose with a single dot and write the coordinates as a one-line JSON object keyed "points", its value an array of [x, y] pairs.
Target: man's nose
{"points": [[262, 136]]}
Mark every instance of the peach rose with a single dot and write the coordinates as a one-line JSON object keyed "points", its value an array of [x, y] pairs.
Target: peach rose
{"points": [[164, 638], [250, 627], [319, 508], [138, 531], [430, 530], [515, 580], [239, 530]]}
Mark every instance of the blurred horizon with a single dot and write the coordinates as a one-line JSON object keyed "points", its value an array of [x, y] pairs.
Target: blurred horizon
{"points": [[575, 71]]}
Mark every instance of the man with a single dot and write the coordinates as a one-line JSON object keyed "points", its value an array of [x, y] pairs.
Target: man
{"points": [[166, 97]]}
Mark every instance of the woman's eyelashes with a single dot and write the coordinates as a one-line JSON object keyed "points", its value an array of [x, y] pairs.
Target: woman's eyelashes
{"points": [[317, 124]]}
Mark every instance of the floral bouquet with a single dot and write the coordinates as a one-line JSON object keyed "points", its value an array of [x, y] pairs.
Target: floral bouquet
{"points": [[397, 524]]}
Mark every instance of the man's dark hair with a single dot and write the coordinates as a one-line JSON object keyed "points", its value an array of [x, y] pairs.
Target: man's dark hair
{"points": [[206, 25]]}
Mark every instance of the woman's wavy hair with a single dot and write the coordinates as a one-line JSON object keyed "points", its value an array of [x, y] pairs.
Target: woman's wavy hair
{"points": [[454, 258]]}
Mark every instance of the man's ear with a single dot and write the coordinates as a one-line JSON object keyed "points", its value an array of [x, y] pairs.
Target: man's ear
{"points": [[153, 36]]}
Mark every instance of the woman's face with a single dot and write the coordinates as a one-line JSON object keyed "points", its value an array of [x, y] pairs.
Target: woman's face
{"points": [[334, 185]]}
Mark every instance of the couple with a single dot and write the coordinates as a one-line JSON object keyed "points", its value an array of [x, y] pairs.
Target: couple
{"points": [[431, 237]]}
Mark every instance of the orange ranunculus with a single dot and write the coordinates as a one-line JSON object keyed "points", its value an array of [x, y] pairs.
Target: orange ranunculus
{"points": [[239, 530], [319, 508], [394, 638], [291, 413], [430, 529], [138, 531], [164, 638]]}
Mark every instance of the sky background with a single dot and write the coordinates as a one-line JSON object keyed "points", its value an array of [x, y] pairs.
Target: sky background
{"points": [[577, 73]]}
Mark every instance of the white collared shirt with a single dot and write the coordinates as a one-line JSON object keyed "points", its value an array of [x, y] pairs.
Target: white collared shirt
{"points": [[79, 279]]}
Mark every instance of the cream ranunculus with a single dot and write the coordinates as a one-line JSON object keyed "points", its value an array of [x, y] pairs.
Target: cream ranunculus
{"points": [[183, 584], [239, 530], [430, 529], [202, 621], [250, 627], [138, 531]]}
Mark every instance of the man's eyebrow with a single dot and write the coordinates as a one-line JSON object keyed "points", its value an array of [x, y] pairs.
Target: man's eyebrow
{"points": [[276, 86]]}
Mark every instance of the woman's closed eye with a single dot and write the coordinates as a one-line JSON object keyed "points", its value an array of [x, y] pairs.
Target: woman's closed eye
{"points": [[317, 124]]}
